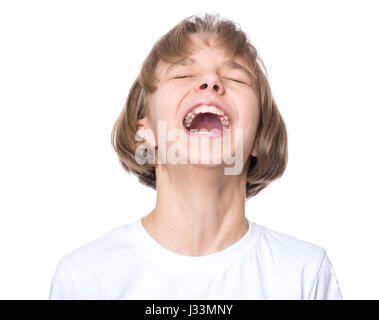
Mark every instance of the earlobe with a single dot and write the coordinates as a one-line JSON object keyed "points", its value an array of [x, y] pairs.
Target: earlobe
{"points": [[141, 123], [254, 151]]}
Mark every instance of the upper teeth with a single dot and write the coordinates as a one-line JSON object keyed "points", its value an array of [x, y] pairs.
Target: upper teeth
{"points": [[203, 109]]}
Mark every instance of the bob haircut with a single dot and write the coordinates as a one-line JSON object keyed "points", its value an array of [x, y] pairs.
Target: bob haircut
{"points": [[271, 136]]}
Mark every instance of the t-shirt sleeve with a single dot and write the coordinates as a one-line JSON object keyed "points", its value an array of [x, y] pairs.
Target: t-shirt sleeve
{"points": [[65, 285], [325, 286]]}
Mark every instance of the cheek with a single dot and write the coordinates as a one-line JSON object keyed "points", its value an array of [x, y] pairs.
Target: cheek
{"points": [[166, 103], [249, 117], [248, 122], [166, 107]]}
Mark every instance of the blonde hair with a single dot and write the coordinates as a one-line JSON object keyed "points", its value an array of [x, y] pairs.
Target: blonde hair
{"points": [[271, 136]]}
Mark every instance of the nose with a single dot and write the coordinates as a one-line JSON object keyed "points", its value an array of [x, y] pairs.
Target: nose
{"points": [[211, 83]]}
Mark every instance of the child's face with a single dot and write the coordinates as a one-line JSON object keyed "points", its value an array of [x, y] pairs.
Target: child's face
{"points": [[171, 101]]}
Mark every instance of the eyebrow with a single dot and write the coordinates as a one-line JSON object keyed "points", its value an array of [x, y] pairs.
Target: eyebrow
{"points": [[228, 63]]}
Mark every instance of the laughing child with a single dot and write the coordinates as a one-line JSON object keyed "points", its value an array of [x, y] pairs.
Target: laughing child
{"points": [[201, 81]]}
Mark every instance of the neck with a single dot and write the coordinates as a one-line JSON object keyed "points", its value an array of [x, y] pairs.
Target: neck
{"points": [[199, 210]]}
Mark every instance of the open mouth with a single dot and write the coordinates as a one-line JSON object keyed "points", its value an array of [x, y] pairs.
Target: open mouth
{"points": [[206, 120]]}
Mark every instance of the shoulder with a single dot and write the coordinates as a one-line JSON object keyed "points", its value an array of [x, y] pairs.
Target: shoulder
{"points": [[291, 261], [111, 245], [79, 271], [285, 245], [295, 267]]}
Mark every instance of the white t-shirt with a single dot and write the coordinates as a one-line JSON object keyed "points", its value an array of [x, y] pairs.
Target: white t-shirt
{"points": [[127, 263]]}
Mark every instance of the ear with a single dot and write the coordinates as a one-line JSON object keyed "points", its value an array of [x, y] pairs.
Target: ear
{"points": [[142, 123], [145, 132]]}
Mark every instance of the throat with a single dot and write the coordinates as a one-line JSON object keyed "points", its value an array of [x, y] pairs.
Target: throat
{"points": [[206, 121]]}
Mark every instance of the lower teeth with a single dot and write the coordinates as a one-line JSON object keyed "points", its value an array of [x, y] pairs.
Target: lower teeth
{"points": [[204, 131]]}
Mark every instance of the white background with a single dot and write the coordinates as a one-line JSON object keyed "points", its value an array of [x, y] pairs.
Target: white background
{"points": [[65, 71]]}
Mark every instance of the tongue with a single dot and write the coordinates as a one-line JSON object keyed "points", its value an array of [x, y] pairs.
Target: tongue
{"points": [[206, 121]]}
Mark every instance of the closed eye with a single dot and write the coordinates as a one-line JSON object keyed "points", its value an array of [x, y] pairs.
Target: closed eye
{"points": [[239, 81], [181, 77]]}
